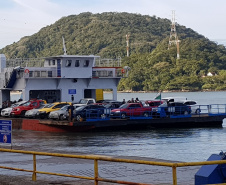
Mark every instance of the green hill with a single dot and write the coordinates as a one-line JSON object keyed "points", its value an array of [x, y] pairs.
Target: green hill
{"points": [[153, 67]]}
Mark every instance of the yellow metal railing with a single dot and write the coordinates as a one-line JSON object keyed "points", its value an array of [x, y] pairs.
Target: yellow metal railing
{"points": [[97, 158]]}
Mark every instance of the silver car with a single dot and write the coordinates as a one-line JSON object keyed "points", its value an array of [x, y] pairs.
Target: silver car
{"points": [[33, 112], [7, 111], [59, 114]]}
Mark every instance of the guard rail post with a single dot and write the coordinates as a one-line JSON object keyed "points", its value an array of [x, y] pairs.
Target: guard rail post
{"points": [[34, 168], [174, 168], [95, 172]]}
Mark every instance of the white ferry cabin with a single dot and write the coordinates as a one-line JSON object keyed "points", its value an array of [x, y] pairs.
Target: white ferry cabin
{"points": [[57, 78]]}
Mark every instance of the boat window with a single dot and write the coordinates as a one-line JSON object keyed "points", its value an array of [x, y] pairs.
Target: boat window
{"points": [[50, 73], [86, 63], [110, 73], [37, 73], [43, 73], [54, 62], [77, 63], [30, 73], [68, 63], [49, 61]]}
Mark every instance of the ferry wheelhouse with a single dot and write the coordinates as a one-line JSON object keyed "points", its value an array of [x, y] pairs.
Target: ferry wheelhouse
{"points": [[58, 78]]}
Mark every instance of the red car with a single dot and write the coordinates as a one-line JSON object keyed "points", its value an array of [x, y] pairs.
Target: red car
{"points": [[20, 110], [131, 109]]}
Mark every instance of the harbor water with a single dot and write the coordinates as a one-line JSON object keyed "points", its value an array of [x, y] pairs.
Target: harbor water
{"points": [[174, 144]]}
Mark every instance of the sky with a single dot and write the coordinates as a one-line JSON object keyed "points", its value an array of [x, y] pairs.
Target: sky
{"points": [[19, 18]]}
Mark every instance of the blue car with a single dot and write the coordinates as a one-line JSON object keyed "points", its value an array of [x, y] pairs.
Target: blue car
{"points": [[176, 108], [89, 111], [171, 108]]}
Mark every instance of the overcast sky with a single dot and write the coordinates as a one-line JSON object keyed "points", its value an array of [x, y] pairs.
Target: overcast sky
{"points": [[19, 18]]}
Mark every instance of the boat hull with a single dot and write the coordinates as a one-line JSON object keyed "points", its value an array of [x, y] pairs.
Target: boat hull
{"points": [[117, 124]]}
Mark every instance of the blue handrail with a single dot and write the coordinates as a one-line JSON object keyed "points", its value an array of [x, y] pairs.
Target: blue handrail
{"points": [[172, 112]]}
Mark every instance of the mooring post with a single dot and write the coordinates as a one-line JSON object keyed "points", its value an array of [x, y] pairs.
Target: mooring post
{"points": [[34, 168], [174, 168], [95, 172]]}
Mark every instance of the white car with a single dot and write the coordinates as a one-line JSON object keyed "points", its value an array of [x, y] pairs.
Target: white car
{"points": [[195, 108], [85, 101], [7, 111], [174, 99]]}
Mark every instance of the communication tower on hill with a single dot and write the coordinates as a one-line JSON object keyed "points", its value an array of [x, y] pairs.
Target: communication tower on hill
{"points": [[173, 35], [127, 44]]}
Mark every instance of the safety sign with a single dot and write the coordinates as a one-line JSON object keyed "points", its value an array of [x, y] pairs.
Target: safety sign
{"points": [[6, 131]]}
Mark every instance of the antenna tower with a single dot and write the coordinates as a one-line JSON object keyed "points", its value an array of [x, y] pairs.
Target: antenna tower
{"points": [[173, 35], [127, 44]]}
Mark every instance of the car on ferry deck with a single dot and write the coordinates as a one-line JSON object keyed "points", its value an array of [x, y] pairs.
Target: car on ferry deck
{"points": [[110, 106], [195, 108], [31, 104], [172, 108], [89, 111], [100, 102], [131, 109], [85, 101], [44, 112], [59, 114], [174, 99], [33, 112], [152, 103], [7, 111]]}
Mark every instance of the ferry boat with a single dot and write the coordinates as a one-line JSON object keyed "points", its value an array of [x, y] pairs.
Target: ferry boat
{"points": [[69, 78], [60, 78]]}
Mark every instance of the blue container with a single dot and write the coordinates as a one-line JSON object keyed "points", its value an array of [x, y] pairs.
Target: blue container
{"points": [[212, 174], [162, 112]]}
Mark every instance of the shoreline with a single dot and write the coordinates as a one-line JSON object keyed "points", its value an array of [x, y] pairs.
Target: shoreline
{"points": [[161, 91], [128, 91]]}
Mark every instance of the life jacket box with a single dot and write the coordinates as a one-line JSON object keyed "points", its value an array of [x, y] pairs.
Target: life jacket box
{"points": [[212, 174]]}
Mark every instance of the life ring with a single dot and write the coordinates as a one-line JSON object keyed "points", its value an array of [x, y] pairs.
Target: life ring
{"points": [[123, 70], [26, 71]]}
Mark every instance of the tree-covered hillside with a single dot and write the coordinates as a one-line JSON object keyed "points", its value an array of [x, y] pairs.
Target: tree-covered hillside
{"points": [[153, 66], [101, 34], [160, 70]]}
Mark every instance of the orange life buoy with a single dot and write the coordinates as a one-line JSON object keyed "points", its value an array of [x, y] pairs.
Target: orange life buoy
{"points": [[26, 71], [123, 70]]}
